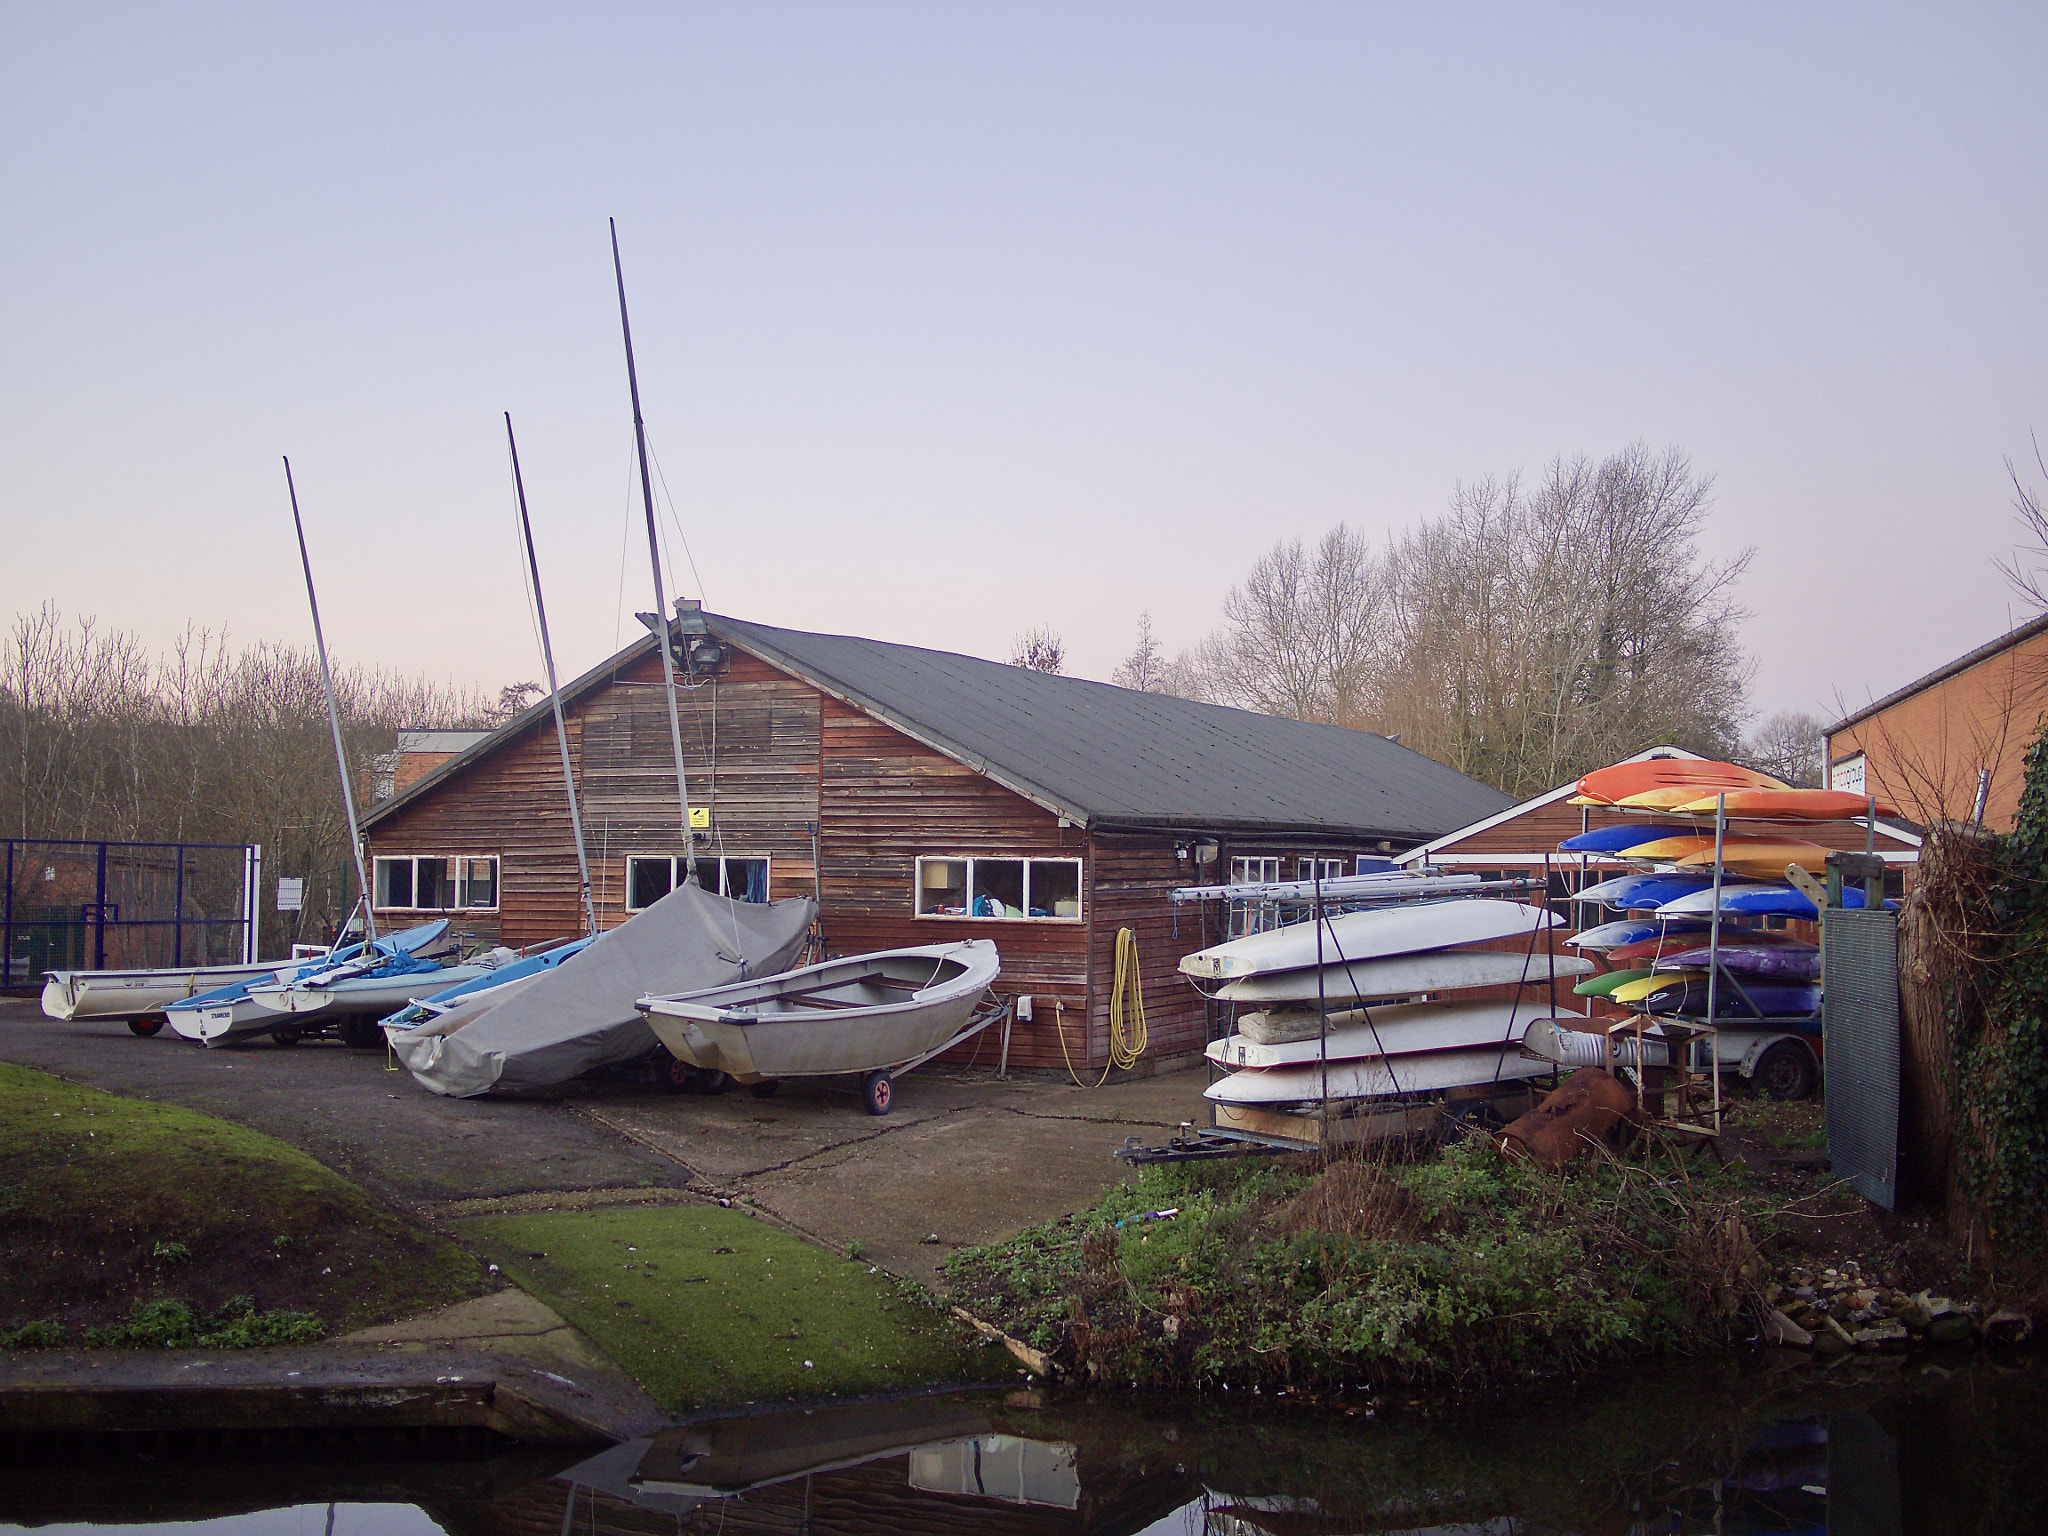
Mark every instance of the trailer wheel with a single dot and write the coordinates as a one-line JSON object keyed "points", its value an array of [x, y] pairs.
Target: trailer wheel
{"points": [[1463, 1118], [145, 1027], [675, 1073], [1786, 1071], [711, 1082], [359, 1032], [764, 1089], [285, 1036], [877, 1093]]}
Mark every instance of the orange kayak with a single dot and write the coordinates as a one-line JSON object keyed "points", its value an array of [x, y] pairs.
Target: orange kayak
{"points": [[1788, 805], [1672, 797], [1617, 783], [1760, 859]]}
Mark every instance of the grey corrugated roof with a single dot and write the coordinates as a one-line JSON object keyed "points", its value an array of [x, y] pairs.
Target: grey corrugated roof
{"points": [[1096, 754], [1103, 755]]}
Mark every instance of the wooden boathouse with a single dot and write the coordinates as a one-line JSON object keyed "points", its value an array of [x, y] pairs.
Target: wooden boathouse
{"points": [[922, 796]]}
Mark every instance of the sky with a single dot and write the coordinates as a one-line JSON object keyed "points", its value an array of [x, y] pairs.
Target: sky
{"points": [[957, 320]]}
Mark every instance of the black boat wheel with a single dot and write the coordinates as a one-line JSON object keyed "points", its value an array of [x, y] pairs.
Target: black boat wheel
{"points": [[145, 1027], [877, 1093]]}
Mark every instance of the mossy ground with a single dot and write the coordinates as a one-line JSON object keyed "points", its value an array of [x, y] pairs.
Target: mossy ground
{"points": [[110, 1204], [707, 1305]]}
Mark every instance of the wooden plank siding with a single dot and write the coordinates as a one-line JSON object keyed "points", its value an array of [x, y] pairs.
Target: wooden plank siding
{"points": [[885, 800], [770, 755]]}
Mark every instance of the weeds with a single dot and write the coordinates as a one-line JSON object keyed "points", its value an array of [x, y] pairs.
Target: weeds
{"points": [[1461, 1269], [170, 1253], [168, 1323], [40, 1334]]}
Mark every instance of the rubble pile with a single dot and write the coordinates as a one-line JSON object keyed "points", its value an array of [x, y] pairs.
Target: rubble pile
{"points": [[1840, 1308]]}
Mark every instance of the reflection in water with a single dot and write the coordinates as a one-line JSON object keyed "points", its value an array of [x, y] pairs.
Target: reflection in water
{"points": [[1871, 1448]]}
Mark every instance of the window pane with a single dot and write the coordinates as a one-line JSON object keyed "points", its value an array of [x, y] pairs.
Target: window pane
{"points": [[394, 882], [747, 879], [707, 877], [1055, 888], [480, 883], [998, 888], [648, 880], [433, 885], [942, 887]]}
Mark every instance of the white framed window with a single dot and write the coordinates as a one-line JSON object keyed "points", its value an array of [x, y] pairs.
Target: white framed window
{"points": [[1046, 890], [1311, 869], [651, 876], [1254, 871], [436, 883]]}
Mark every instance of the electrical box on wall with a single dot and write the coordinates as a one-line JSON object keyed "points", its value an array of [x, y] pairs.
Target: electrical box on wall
{"points": [[1024, 1010]]}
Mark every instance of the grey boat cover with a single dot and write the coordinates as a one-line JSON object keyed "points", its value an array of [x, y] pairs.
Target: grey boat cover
{"points": [[580, 1015]]}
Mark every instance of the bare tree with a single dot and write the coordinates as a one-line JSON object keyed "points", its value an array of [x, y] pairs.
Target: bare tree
{"points": [[205, 744], [513, 699], [1305, 633], [1141, 670], [1148, 669], [1789, 745], [1040, 649], [2024, 572]]}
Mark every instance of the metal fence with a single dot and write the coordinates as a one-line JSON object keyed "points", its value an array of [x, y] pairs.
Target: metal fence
{"points": [[1860, 958], [79, 905]]}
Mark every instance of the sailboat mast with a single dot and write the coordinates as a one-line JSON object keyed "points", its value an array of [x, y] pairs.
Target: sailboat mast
{"points": [[661, 613], [348, 794], [547, 651]]}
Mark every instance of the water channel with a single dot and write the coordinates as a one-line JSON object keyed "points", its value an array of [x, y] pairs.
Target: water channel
{"points": [[1868, 1447]]}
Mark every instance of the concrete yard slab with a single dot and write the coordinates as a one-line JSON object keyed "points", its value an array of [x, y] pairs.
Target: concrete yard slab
{"points": [[375, 1126]]}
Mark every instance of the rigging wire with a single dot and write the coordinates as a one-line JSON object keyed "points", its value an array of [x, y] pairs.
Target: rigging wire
{"points": [[677, 524]]}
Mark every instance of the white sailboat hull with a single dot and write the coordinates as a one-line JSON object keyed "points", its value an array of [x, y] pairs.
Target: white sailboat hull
{"points": [[1368, 935], [1435, 970], [1378, 1076], [1417, 1029], [72, 996]]}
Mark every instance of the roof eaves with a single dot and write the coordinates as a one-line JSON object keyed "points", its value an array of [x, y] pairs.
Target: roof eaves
{"points": [[1548, 798], [1963, 663], [462, 762]]}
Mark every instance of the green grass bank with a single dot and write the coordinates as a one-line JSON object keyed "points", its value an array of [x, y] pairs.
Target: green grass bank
{"points": [[706, 1305], [126, 1222]]}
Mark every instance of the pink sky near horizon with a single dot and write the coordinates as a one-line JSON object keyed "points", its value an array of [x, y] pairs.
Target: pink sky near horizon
{"points": [[953, 322]]}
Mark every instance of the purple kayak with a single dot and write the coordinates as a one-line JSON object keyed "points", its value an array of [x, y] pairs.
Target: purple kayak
{"points": [[1778, 962], [1776, 999]]}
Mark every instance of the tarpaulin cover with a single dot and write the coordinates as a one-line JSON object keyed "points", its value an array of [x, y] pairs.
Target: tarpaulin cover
{"points": [[580, 1015]]}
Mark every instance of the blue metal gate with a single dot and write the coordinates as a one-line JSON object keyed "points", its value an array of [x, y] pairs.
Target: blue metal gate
{"points": [[70, 904]]}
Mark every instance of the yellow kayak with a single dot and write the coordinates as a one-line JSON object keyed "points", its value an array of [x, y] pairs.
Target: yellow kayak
{"points": [[1636, 991], [1761, 860], [1680, 849]]}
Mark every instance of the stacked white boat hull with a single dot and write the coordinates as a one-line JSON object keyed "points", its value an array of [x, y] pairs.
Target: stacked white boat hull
{"points": [[1287, 1054]]}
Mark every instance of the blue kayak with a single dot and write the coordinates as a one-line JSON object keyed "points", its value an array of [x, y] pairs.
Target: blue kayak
{"points": [[1633, 930], [1756, 900], [1647, 891], [1615, 839]]}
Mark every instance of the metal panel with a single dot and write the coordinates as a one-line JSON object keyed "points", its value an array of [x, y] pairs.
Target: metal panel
{"points": [[1860, 968]]}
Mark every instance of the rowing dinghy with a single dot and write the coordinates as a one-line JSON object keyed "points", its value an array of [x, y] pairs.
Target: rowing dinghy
{"points": [[1368, 935], [869, 1014]]}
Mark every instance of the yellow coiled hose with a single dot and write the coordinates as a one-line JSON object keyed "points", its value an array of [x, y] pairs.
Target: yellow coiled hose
{"points": [[1126, 1013]]}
